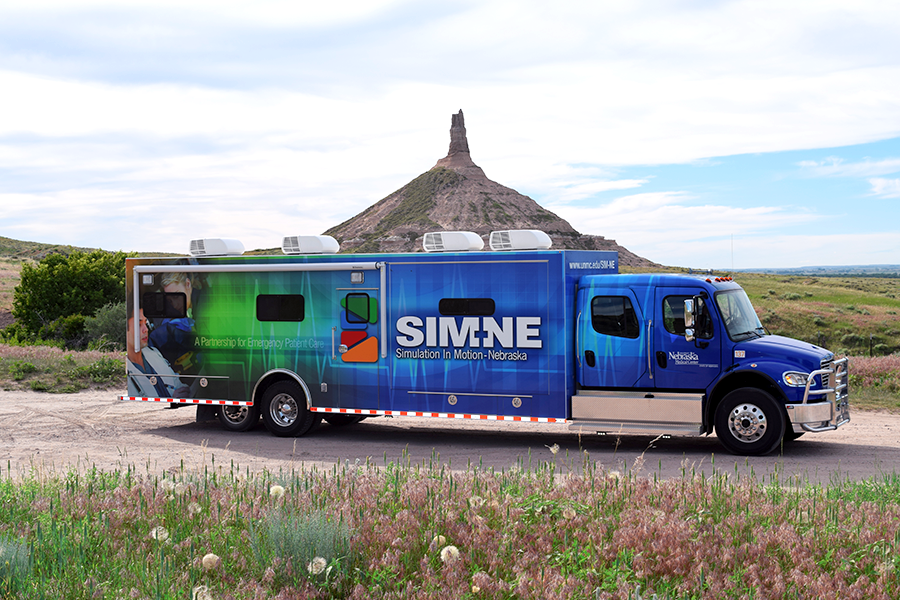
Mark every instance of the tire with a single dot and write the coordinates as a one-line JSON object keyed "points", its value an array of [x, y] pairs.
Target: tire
{"points": [[750, 422], [342, 420], [790, 435], [284, 410], [238, 418]]}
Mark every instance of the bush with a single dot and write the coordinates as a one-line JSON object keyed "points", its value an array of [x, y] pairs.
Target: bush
{"points": [[15, 566], [107, 327], [64, 286], [300, 542]]}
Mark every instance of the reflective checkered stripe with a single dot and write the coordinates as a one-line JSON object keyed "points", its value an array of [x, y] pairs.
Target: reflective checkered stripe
{"points": [[187, 401], [441, 415]]}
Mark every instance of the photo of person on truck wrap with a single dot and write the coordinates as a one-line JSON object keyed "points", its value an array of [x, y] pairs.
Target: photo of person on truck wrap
{"points": [[174, 337], [145, 361]]}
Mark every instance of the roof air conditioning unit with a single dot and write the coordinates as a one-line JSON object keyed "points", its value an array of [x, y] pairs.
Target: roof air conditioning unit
{"points": [[452, 241], [520, 239], [216, 247], [310, 244]]}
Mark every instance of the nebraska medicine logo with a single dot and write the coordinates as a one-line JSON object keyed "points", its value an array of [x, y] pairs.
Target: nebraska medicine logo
{"points": [[684, 358], [466, 335]]}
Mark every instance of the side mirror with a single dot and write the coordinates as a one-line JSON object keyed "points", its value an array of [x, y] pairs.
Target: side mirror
{"points": [[693, 313]]}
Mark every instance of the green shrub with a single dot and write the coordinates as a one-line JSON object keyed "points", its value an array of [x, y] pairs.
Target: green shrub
{"points": [[62, 286], [19, 369], [15, 566], [297, 541], [851, 339], [106, 329]]}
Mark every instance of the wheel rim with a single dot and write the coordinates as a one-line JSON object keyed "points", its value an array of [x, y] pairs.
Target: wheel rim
{"points": [[235, 414], [284, 410], [747, 422]]}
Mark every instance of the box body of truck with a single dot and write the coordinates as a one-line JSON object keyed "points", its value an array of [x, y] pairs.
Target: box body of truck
{"points": [[484, 335]]}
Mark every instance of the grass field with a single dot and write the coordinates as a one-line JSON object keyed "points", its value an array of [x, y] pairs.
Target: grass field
{"points": [[398, 530]]}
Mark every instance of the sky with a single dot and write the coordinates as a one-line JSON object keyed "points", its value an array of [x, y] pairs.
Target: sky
{"points": [[695, 133]]}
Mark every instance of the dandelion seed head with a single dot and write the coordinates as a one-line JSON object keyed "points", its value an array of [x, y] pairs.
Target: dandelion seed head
{"points": [[180, 489], [614, 475], [211, 561], [439, 540], [475, 589], [201, 592], [194, 509], [167, 485], [159, 533], [276, 491], [449, 554], [553, 449], [568, 513], [317, 565], [476, 501]]}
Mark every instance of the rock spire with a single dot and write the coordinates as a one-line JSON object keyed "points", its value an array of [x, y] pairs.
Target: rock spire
{"points": [[456, 195]]}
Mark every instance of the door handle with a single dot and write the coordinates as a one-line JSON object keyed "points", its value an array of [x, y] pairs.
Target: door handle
{"points": [[649, 342], [661, 359]]}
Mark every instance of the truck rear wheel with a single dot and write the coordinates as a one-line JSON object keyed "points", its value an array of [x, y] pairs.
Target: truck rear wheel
{"points": [[750, 422], [284, 410], [238, 418]]}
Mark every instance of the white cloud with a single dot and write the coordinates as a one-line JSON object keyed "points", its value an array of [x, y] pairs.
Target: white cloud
{"points": [[885, 188], [836, 167]]}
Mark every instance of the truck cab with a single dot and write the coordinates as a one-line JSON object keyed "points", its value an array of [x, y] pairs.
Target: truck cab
{"points": [[662, 353]]}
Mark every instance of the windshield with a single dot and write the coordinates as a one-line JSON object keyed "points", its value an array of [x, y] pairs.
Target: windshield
{"points": [[738, 315]]}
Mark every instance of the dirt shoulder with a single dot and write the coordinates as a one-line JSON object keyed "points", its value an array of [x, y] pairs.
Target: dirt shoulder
{"points": [[57, 432]]}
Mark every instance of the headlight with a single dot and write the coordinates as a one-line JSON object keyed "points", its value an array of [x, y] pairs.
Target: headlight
{"points": [[795, 379]]}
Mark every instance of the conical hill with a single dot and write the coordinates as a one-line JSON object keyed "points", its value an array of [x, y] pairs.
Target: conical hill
{"points": [[456, 195]]}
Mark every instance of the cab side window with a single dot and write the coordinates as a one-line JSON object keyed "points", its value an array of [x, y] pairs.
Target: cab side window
{"points": [[673, 318], [614, 315]]}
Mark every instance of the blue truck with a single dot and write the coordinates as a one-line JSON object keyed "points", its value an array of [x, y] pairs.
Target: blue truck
{"points": [[518, 333]]}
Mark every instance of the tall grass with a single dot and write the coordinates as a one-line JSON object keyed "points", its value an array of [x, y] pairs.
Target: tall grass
{"points": [[401, 530]]}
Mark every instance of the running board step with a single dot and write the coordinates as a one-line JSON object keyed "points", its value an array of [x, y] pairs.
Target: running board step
{"points": [[637, 412]]}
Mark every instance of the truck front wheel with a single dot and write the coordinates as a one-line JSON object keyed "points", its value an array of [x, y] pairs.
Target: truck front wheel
{"points": [[284, 410], [749, 422]]}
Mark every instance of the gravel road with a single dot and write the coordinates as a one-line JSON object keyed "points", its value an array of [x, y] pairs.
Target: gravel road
{"points": [[57, 432]]}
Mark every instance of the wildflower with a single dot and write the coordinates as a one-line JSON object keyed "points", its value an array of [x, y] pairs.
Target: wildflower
{"points": [[276, 491], [438, 540], [568, 513], [201, 592], [160, 534], [194, 509], [449, 554], [476, 501], [180, 489], [553, 449], [317, 566], [211, 561], [613, 475], [167, 485], [475, 589]]}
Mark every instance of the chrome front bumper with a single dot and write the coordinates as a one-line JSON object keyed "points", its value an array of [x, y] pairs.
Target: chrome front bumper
{"points": [[831, 413]]}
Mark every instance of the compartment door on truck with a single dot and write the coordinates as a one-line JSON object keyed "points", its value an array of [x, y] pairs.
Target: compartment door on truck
{"points": [[612, 338], [678, 364], [356, 344]]}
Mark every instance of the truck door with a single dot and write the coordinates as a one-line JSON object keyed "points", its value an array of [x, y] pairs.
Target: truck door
{"points": [[678, 364], [356, 346], [612, 338]]}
